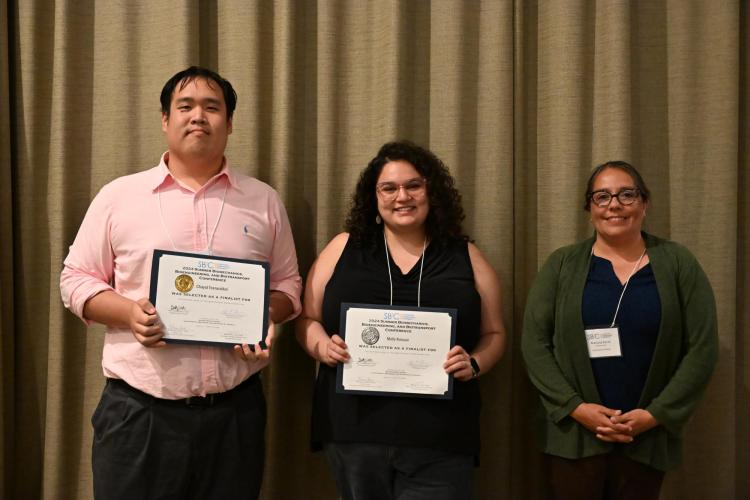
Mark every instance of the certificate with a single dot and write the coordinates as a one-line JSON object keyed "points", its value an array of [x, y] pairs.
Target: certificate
{"points": [[396, 351], [208, 299]]}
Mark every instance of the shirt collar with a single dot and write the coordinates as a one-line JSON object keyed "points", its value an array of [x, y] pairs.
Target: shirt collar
{"points": [[161, 174]]}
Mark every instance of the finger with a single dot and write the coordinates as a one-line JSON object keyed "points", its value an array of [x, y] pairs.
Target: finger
{"points": [[623, 428], [264, 344], [146, 306], [462, 362], [615, 429], [261, 353], [150, 341], [456, 350], [456, 366], [143, 318], [454, 360], [604, 437], [615, 438], [337, 353], [270, 334], [610, 412], [619, 419], [338, 341], [245, 352], [238, 352], [333, 346], [338, 358], [147, 331]]}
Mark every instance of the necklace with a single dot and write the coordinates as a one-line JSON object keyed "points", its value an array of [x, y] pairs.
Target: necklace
{"points": [[625, 286]]}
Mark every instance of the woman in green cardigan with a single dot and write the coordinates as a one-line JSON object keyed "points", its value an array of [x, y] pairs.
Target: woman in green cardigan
{"points": [[620, 340]]}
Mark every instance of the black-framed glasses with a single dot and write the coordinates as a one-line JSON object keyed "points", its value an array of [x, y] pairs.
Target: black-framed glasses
{"points": [[413, 187], [603, 198]]}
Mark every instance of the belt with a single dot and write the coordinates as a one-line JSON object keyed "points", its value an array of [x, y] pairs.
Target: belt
{"points": [[192, 401]]}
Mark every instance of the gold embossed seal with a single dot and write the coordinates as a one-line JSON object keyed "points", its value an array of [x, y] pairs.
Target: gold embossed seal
{"points": [[183, 283]]}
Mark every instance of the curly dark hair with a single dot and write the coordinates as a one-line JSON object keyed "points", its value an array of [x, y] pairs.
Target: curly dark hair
{"points": [[443, 223]]}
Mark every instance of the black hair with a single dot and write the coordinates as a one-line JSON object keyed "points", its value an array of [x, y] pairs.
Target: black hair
{"points": [[621, 165], [443, 223], [188, 75]]}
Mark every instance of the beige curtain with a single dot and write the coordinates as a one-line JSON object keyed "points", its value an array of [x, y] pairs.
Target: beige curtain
{"points": [[520, 98]]}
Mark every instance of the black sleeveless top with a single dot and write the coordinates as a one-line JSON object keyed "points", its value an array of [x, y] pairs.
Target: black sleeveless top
{"points": [[361, 276]]}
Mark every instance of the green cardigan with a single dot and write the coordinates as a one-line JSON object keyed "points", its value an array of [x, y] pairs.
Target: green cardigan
{"points": [[554, 348]]}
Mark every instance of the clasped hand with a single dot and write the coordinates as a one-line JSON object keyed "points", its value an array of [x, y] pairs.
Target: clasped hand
{"points": [[613, 426]]}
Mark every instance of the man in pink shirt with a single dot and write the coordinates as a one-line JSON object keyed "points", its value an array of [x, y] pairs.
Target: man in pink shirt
{"points": [[179, 420]]}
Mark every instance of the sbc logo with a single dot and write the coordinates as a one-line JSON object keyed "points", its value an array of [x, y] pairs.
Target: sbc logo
{"points": [[395, 316], [208, 264]]}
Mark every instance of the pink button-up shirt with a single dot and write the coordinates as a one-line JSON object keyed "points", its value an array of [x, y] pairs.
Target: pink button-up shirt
{"points": [[135, 214]]}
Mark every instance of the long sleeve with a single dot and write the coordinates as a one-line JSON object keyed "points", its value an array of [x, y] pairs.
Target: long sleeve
{"points": [[676, 402], [557, 394], [284, 270], [88, 268]]}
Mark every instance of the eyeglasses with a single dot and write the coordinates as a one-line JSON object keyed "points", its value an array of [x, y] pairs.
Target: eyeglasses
{"points": [[414, 188], [603, 198]]}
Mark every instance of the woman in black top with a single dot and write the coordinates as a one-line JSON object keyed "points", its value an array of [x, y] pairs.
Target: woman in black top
{"points": [[404, 246]]}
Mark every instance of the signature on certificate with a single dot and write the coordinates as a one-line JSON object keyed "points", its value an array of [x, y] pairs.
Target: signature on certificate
{"points": [[177, 309]]}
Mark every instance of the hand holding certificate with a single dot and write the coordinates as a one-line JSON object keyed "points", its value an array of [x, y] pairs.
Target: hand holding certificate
{"points": [[396, 350], [208, 299]]}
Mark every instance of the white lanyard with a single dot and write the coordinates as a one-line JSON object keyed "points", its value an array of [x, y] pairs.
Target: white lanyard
{"points": [[421, 268], [625, 287], [210, 241]]}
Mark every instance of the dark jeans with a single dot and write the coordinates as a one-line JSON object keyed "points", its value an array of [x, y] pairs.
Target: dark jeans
{"points": [[150, 448], [380, 472], [607, 477]]}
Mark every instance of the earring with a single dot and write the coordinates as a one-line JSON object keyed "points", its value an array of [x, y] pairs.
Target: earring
{"points": [[378, 220]]}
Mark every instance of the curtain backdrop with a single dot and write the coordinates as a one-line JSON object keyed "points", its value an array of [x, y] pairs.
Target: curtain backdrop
{"points": [[520, 98]]}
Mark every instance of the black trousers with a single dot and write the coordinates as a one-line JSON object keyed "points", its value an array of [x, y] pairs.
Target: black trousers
{"points": [[150, 448], [366, 471], [611, 476]]}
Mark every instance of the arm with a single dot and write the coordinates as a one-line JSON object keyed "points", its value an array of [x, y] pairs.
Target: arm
{"points": [[285, 282], [112, 309], [89, 267], [676, 402], [558, 396], [87, 274], [284, 274], [560, 399], [491, 345], [310, 332], [280, 306], [672, 407]]}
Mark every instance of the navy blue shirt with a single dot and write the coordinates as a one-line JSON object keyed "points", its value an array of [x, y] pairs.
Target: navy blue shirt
{"points": [[620, 380]]}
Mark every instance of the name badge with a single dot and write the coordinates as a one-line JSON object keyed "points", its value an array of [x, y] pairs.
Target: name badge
{"points": [[603, 342]]}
